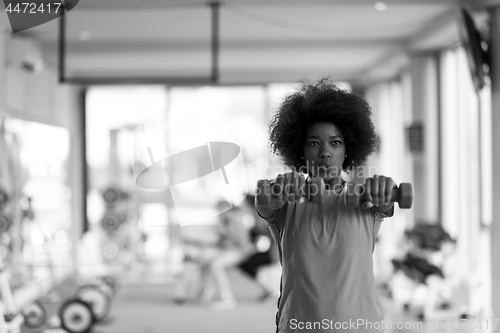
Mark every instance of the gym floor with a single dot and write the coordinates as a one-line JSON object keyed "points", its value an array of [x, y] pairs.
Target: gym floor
{"points": [[145, 305]]}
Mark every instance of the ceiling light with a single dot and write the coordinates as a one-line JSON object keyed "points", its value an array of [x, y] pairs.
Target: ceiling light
{"points": [[380, 6]]}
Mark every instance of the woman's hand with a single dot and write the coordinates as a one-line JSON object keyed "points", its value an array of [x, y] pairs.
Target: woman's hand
{"points": [[287, 187], [378, 193]]}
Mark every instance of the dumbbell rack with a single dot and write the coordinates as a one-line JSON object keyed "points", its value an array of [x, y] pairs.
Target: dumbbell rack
{"points": [[10, 318]]}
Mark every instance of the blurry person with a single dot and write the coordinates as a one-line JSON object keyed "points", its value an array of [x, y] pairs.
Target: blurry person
{"points": [[235, 247], [265, 255]]}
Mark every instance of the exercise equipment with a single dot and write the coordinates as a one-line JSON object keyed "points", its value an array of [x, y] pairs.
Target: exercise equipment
{"points": [[76, 316], [416, 268], [111, 195], [97, 297], [4, 197], [314, 191], [403, 195], [10, 318], [112, 249], [6, 248], [428, 236], [111, 222], [5, 223], [34, 315], [110, 284]]}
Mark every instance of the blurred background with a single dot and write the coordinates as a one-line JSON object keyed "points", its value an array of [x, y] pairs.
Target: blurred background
{"points": [[133, 133]]}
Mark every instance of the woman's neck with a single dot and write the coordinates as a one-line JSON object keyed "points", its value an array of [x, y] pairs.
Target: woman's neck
{"points": [[333, 183]]}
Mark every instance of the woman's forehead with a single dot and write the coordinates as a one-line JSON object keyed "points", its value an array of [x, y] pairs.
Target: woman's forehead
{"points": [[323, 129]]}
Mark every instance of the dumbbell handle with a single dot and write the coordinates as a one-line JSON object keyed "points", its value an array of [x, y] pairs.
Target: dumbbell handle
{"points": [[403, 195], [314, 191]]}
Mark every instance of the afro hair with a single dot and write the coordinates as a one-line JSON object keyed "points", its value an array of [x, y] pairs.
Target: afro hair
{"points": [[322, 101]]}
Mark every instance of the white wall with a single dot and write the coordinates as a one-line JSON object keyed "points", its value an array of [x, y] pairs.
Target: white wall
{"points": [[391, 115], [424, 104]]}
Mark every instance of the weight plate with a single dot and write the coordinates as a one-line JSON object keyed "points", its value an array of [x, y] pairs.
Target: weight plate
{"points": [[34, 315], [99, 301], [4, 223], [99, 283], [4, 197], [76, 316], [112, 282], [406, 196], [110, 222], [111, 195], [111, 251]]}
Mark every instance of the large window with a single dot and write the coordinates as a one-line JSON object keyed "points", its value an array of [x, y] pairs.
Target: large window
{"points": [[34, 173], [465, 175], [134, 130]]}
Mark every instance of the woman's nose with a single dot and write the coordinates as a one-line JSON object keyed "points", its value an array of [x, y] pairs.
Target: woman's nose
{"points": [[325, 153]]}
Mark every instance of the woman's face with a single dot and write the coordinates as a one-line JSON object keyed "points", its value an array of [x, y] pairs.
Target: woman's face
{"points": [[324, 150]]}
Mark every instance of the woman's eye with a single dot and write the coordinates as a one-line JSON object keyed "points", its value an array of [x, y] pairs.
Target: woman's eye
{"points": [[337, 142], [312, 143]]}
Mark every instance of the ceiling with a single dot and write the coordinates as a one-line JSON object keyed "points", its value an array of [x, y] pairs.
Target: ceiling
{"points": [[260, 41]]}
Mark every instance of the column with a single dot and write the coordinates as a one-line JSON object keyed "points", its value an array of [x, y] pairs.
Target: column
{"points": [[495, 126]]}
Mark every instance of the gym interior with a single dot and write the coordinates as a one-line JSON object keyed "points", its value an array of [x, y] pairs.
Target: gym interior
{"points": [[102, 226]]}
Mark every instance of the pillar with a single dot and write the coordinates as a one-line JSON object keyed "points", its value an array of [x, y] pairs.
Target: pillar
{"points": [[495, 125]]}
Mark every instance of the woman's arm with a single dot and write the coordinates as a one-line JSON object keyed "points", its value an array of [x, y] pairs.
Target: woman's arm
{"points": [[267, 211], [288, 186]]}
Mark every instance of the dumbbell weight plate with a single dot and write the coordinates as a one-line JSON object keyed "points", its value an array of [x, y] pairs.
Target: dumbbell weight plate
{"points": [[4, 197], [4, 223], [34, 315], [76, 316], [406, 195], [110, 222], [98, 300], [111, 251], [403, 195], [112, 282], [111, 195], [99, 283]]}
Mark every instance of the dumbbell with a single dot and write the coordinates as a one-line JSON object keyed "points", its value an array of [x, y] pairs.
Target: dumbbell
{"points": [[76, 316], [4, 197], [99, 292], [111, 221], [5, 223], [403, 195], [34, 315], [97, 297], [314, 190], [111, 282]]}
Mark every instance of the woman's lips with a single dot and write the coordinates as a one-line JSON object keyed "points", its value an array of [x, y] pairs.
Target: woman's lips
{"points": [[326, 166]]}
